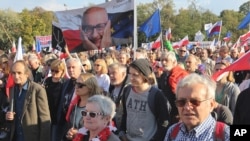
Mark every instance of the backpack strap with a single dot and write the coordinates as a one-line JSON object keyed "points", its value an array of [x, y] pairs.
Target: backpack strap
{"points": [[175, 131], [151, 99], [219, 131]]}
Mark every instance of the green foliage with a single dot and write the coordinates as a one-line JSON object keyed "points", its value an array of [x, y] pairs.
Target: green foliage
{"points": [[26, 24]]}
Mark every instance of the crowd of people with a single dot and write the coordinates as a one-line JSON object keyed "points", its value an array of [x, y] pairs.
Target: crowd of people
{"points": [[127, 95]]}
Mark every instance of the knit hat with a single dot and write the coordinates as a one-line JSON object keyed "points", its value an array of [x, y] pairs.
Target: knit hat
{"points": [[143, 66]]}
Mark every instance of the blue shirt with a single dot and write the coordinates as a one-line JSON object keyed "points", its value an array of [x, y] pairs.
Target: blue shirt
{"points": [[19, 102], [203, 132]]}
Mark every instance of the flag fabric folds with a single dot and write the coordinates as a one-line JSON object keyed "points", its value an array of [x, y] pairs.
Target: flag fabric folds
{"points": [[168, 34], [19, 53], [69, 22], [199, 36], [215, 29], [207, 26], [157, 43], [182, 42], [244, 23], [228, 36], [212, 45], [245, 37], [13, 49], [152, 25], [58, 41], [243, 63]]}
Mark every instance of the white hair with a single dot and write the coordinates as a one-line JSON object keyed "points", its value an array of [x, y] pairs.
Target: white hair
{"points": [[107, 106]]}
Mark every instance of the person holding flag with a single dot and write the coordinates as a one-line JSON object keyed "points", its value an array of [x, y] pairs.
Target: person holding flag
{"points": [[28, 106]]}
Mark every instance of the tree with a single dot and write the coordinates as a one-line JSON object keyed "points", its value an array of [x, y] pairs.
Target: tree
{"points": [[245, 8], [9, 28]]}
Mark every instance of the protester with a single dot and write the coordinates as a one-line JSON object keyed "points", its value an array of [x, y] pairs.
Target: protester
{"points": [[124, 58], [29, 110], [145, 111], [74, 69], [36, 68], [101, 74], [182, 54], [226, 91], [207, 61], [118, 80], [53, 86], [172, 73], [224, 53], [97, 118], [86, 86], [195, 96], [192, 63], [242, 108]]}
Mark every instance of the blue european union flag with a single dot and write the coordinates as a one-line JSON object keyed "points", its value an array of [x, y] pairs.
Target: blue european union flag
{"points": [[152, 25], [122, 24], [245, 21]]}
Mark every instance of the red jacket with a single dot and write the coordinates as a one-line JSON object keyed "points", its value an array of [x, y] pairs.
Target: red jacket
{"points": [[176, 74]]}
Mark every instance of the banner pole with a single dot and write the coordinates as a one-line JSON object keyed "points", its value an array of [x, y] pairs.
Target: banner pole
{"points": [[135, 28]]}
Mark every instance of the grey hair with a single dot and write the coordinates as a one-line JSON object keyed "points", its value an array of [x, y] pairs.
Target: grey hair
{"points": [[107, 106], [169, 55], [193, 79], [32, 57], [118, 66], [77, 61]]}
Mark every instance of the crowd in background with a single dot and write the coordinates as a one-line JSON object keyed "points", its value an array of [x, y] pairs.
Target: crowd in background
{"points": [[110, 90]]}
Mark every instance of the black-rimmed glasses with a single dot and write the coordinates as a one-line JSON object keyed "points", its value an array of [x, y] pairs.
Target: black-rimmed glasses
{"points": [[88, 29]]}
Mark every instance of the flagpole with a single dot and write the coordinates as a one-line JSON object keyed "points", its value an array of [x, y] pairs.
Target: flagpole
{"points": [[160, 27], [135, 28], [220, 32], [6, 33]]}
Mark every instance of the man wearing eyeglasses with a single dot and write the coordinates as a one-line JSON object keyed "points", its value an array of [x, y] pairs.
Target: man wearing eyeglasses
{"points": [[182, 54], [95, 30], [195, 100]]}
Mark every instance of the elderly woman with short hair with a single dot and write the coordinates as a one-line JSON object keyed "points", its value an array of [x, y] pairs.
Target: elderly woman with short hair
{"points": [[86, 86], [97, 118]]}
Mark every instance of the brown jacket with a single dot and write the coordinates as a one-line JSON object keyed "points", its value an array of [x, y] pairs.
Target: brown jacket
{"points": [[36, 116]]}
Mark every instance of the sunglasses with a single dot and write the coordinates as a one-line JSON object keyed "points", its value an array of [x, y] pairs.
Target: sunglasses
{"points": [[55, 71], [90, 114], [84, 65], [194, 102], [80, 85], [182, 50]]}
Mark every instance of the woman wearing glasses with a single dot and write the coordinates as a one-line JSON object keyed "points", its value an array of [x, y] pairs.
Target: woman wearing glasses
{"points": [[226, 91], [97, 118], [86, 86], [53, 86], [101, 74]]}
